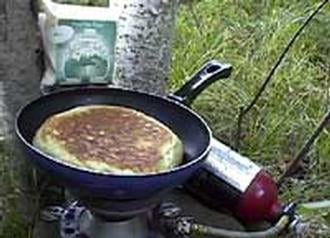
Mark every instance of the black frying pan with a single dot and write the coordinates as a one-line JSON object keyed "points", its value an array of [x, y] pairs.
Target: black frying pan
{"points": [[170, 110]]}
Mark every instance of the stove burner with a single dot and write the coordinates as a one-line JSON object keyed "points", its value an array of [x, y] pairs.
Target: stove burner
{"points": [[69, 222], [118, 210], [78, 222]]}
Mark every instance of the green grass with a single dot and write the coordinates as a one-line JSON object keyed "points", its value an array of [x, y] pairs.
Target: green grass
{"points": [[251, 35], [12, 223]]}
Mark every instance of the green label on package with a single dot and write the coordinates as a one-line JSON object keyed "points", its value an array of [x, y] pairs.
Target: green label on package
{"points": [[85, 51]]}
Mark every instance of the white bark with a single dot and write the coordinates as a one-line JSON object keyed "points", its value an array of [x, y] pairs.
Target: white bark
{"points": [[144, 44], [19, 71]]}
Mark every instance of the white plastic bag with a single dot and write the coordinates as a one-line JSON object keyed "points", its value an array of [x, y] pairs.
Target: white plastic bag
{"points": [[79, 43]]}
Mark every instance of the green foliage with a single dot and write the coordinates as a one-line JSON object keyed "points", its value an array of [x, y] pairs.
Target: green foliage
{"points": [[251, 35], [12, 224]]}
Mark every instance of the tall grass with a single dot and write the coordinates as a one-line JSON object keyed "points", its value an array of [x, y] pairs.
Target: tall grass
{"points": [[251, 35]]}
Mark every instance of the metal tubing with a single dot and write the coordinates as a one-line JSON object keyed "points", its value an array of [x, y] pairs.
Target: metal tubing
{"points": [[199, 230]]}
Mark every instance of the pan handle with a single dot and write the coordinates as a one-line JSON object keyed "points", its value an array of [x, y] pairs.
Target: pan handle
{"points": [[208, 74]]}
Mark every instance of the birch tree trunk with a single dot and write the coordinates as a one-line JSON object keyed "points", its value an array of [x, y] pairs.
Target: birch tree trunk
{"points": [[19, 82], [19, 71], [143, 51]]}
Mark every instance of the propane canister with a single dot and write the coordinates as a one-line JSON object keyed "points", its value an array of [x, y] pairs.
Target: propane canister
{"points": [[232, 182]]}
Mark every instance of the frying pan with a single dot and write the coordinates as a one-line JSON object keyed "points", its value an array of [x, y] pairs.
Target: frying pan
{"points": [[170, 110]]}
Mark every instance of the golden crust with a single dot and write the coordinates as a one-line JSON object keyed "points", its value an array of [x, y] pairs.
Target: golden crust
{"points": [[110, 139]]}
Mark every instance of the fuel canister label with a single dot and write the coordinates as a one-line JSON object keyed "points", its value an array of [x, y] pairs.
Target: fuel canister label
{"points": [[233, 168]]}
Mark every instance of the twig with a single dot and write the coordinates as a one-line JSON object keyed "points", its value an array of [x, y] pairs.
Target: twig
{"points": [[305, 149], [238, 134], [272, 72], [327, 90]]}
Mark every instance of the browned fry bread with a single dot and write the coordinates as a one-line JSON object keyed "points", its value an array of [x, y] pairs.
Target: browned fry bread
{"points": [[110, 139]]}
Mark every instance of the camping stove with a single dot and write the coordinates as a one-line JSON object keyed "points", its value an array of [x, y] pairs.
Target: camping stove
{"points": [[177, 216], [77, 221]]}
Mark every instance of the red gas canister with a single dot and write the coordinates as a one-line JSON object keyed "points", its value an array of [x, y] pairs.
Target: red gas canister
{"points": [[230, 181]]}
